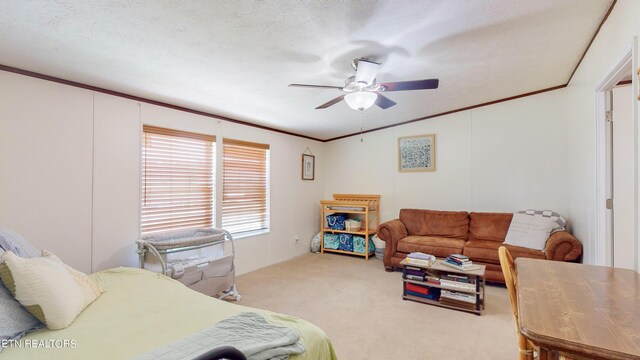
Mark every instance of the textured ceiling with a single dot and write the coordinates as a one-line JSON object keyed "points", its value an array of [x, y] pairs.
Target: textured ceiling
{"points": [[236, 58]]}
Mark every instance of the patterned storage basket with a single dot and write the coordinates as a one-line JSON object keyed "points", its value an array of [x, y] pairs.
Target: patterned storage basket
{"points": [[359, 245], [336, 221], [331, 241], [346, 242], [352, 225]]}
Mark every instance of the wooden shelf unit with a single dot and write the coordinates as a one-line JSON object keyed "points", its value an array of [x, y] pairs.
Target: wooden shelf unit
{"points": [[369, 216], [477, 274]]}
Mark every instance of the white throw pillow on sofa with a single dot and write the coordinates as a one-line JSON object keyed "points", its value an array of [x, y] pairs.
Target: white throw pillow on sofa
{"points": [[529, 231]]}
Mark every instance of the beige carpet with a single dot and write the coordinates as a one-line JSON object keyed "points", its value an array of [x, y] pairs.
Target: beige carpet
{"points": [[360, 307]]}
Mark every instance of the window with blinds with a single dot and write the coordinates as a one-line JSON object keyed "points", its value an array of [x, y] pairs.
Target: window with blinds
{"points": [[177, 180], [245, 186]]}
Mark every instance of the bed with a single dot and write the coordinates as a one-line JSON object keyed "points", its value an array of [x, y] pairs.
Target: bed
{"points": [[141, 311]]}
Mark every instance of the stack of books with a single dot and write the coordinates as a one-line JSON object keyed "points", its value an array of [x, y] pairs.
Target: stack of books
{"points": [[419, 259], [459, 262], [458, 282], [458, 299], [422, 291], [431, 277], [414, 273]]}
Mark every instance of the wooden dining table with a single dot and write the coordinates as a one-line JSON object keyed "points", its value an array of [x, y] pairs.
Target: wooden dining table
{"points": [[579, 311]]}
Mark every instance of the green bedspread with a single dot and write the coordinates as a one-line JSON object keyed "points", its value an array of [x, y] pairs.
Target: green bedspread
{"points": [[141, 311]]}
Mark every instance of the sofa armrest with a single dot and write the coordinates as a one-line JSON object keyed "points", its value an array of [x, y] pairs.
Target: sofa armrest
{"points": [[562, 246], [391, 232]]}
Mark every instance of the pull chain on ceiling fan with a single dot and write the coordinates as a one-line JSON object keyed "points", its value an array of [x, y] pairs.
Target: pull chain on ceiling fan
{"points": [[361, 123], [363, 91]]}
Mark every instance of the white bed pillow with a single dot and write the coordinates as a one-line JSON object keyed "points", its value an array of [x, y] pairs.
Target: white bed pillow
{"points": [[529, 231], [12, 241], [46, 288], [90, 290], [15, 320]]}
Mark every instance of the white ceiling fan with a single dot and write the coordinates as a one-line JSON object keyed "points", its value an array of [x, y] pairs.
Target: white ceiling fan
{"points": [[362, 90]]}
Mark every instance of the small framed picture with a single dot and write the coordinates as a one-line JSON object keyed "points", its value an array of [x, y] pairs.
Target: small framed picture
{"points": [[417, 153], [308, 167]]}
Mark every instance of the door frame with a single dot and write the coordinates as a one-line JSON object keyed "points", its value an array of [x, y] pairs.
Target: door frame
{"points": [[604, 242], [635, 90]]}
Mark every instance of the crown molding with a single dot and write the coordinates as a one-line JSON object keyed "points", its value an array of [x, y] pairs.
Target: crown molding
{"points": [[146, 100]]}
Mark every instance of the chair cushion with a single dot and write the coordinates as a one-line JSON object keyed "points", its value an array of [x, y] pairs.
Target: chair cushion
{"points": [[438, 246], [447, 224], [489, 226]]}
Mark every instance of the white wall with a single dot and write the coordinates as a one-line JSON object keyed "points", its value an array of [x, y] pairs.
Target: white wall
{"points": [[504, 157], [70, 165], [116, 184], [46, 133], [613, 42]]}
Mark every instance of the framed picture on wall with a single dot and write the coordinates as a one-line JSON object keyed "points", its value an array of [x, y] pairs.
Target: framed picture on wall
{"points": [[417, 153], [308, 167]]}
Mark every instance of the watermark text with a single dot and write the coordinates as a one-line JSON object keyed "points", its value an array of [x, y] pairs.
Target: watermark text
{"points": [[39, 343]]}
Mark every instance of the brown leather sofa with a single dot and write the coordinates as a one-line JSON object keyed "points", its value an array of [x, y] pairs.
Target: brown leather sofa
{"points": [[477, 235]]}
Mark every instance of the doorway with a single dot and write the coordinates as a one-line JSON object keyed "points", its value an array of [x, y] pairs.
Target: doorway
{"points": [[616, 199]]}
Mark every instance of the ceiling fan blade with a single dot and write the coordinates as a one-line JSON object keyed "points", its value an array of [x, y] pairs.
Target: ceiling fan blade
{"points": [[384, 102], [332, 102], [411, 85], [316, 86], [366, 71]]}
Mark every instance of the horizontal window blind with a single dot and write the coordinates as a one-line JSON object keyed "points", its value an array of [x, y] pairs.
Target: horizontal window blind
{"points": [[177, 180], [245, 186]]}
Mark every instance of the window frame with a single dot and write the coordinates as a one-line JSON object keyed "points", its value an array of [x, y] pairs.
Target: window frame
{"points": [[166, 139], [267, 184]]}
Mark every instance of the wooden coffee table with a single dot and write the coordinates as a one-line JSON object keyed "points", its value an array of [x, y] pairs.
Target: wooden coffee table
{"points": [[477, 276]]}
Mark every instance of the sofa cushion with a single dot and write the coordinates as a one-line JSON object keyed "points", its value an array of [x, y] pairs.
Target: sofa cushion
{"points": [[486, 251], [482, 250], [493, 272], [446, 224], [489, 226], [519, 251], [438, 246]]}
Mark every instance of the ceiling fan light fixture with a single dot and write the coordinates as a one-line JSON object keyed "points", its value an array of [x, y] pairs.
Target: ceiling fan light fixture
{"points": [[366, 71], [361, 100]]}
